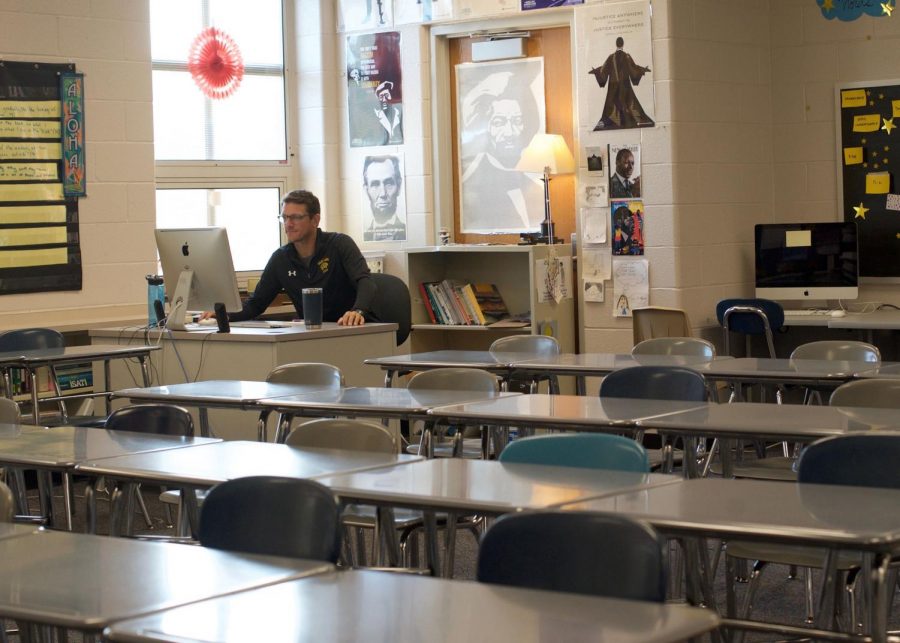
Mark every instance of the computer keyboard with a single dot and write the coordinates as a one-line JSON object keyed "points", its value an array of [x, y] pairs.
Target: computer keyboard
{"points": [[807, 312]]}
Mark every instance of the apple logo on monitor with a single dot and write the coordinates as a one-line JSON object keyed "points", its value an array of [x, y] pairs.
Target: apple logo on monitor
{"points": [[185, 250]]}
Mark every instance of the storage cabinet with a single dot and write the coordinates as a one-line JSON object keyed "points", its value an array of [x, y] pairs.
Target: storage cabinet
{"points": [[511, 268]]}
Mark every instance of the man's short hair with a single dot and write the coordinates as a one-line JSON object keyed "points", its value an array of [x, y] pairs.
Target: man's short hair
{"points": [[621, 153], [303, 197], [620, 42], [381, 159]]}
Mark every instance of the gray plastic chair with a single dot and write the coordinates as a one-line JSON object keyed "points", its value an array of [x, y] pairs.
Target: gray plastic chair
{"points": [[303, 373], [536, 345], [33, 339], [834, 350], [690, 346], [359, 435], [875, 393], [452, 379], [7, 504]]}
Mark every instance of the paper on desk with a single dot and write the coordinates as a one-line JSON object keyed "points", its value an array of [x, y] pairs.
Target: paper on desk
{"points": [[631, 285]]}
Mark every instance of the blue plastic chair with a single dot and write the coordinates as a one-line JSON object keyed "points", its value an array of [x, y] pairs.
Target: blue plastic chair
{"points": [[865, 460], [655, 383], [272, 515], [587, 450], [750, 317], [580, 552]]}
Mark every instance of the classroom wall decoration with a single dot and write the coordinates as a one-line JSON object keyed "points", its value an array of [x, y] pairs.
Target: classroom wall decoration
{"points": [[869, 156], [528, 5], [847, 10], [615, 48], [42, 172], [374, 89], [414, 11], [365, 14]]}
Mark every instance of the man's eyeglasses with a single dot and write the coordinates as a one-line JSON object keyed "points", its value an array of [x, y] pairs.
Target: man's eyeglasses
{"points": [[293, 218]]}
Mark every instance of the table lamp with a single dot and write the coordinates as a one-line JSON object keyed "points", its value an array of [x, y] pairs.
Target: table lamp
{"points": [[547, 154]]}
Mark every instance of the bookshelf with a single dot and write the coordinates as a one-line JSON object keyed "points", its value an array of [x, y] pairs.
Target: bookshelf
{"points": [[510, 267]]}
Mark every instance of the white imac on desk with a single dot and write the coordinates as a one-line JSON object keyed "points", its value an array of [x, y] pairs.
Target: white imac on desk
{"points": [[198, 271], [805, 261]]}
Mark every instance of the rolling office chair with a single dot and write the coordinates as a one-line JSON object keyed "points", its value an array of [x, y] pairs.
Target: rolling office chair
{"points": [[273, 516], [392, 304]]}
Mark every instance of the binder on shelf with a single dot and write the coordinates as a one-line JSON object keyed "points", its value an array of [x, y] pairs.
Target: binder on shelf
{"points": [[490, 301]]}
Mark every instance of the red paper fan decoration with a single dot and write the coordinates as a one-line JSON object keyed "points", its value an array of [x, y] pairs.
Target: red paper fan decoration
{"points": [[215, 63]]}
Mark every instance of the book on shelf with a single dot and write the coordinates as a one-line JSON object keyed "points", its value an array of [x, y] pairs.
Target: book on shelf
{"points": [[453, 302]]}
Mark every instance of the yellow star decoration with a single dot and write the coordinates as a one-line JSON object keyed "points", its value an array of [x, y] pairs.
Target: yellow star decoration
{"points": [[886, 8], [874, 153], [888, 124], [864, 141], [887, 148], [875, 166], [865, 165], [828, 5], [860, 211], [880, 96]]}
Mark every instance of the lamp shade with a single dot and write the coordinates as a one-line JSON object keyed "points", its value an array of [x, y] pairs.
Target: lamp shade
{"points": [[547, 151]]}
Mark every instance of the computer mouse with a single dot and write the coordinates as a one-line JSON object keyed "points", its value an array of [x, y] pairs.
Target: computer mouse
{"points": [[838, 313], [211, 321]]}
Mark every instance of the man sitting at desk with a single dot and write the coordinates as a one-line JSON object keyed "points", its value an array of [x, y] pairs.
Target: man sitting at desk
{"points": [[314, 259]]}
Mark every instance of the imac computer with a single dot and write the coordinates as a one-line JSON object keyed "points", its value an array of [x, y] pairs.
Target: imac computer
{"points": [[198, 271], [807, 261]]}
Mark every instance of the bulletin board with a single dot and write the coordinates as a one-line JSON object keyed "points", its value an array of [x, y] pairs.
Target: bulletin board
{"points": [[42, 174], [868, 137]]}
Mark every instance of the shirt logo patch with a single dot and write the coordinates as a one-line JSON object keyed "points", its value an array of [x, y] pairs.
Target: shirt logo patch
{"points": [[292, 273], [323, 264]]}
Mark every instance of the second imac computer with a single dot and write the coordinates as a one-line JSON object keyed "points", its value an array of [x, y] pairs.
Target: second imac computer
{"points": [[198, 271], [807, 261]]}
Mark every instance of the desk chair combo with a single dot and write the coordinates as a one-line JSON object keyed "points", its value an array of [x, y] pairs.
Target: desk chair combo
{"points": [[863, 460], [652, 322], [305, 373], [656, 383], [536, 345], [453, 379], [41, 339]]}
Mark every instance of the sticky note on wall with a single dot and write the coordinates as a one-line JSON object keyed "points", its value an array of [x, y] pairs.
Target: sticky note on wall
{"points": [[853, 98], [798, 238], [866, 123], [853, 155], [878, 183]]}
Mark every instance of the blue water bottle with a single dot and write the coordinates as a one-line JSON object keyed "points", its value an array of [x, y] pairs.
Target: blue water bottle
{"points": [[155, 292]]}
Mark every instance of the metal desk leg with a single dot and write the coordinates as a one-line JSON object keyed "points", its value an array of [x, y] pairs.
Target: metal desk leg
{"points": [[107, 379], [90, 502], [45, 485], [449, 544], [191, 510], [878, 605], [145, 369], [825, 612], [580, 385], [386, 550], [432, 555], [35, 409], [388, 377], [204, 422]]}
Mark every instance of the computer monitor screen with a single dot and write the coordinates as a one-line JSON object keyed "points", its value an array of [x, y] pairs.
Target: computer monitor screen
{"points": [[807, 260], [198, 271]]}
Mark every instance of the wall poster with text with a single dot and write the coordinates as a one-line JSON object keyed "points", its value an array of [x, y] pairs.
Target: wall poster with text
{"points": [[374, 89], [615, 48]]}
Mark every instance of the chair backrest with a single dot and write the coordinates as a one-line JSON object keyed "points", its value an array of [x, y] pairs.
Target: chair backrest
{"points": [[655, 383], [580, 552], [537, 345], [159, 419], [7, 504], [9, 412], [454, 379], [311, 373], [876, 393], [582, 450], [651, 322], [693, 346], [24, 339], [850, 351], [341, 433], [392, 303], [272, 515], [863, 460], [750, 317]]}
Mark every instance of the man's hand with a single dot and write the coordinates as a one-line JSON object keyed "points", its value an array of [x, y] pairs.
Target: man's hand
{"points": [[207, 314], [352, 318]]}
